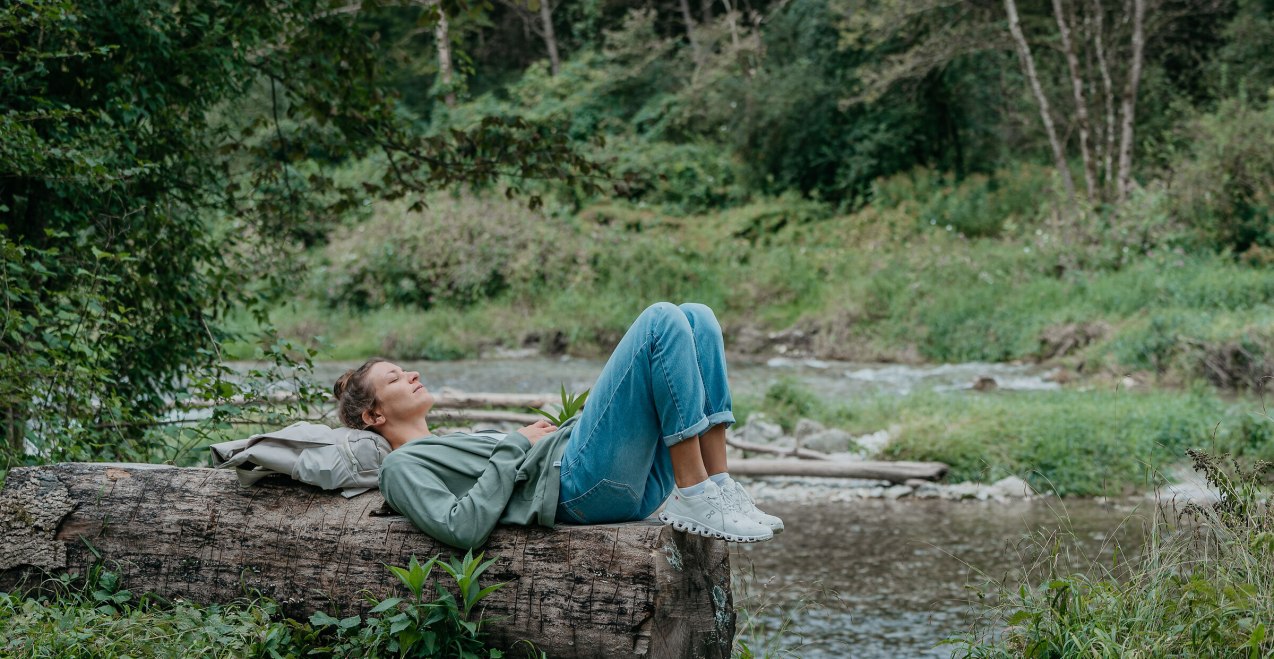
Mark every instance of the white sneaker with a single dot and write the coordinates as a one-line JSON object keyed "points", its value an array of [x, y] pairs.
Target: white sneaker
{"points": [[735, 491], [714, 515]]}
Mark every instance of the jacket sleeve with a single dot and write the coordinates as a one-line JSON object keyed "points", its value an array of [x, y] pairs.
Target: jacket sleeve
{"points": [[414, 490]]}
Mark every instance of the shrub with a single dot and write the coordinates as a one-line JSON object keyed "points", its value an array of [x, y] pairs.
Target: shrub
{"points": [[977, 205], [458, 251], [1225, 183]]}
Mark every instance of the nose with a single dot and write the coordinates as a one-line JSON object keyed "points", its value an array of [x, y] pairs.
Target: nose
{"points": [[415, 376]]}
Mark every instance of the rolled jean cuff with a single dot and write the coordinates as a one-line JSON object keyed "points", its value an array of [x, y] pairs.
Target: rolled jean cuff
{"points": [[725, 416], [694, 430]]}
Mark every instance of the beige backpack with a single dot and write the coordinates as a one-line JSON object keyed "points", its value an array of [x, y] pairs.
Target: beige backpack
{"points": [[331, 458]]}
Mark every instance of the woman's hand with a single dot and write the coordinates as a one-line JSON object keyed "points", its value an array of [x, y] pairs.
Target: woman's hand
{"points": [[537, 430]]}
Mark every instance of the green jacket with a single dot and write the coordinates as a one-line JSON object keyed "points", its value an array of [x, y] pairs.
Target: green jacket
{"points": [[457, 487]]}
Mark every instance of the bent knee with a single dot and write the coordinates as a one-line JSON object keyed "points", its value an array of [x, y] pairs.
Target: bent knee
{"points": [[700, 314]]}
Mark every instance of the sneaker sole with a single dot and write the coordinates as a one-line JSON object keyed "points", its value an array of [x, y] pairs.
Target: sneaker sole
{"points": [[690, 526]]}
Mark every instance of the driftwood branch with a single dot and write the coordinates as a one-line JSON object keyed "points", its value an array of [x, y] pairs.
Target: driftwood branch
{"points": [[791, 451], [620, 590], [894, 472]]}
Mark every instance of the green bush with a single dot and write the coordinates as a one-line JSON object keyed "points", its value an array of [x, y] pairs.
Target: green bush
{"points": [[976, 206], [456, 252], [1225, 182]]}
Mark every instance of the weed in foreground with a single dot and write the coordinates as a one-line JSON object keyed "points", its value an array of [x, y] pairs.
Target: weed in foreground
{"points": [[768, 614], [99, 618], [1203, 586]]}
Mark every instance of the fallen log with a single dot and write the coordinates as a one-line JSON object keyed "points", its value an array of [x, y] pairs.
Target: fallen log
{"points": [[894, 472], [793, 451], [638, 589]]}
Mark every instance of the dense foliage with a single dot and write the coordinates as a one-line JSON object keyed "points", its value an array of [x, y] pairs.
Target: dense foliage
{"points": [[834, 167], [160, 163]]}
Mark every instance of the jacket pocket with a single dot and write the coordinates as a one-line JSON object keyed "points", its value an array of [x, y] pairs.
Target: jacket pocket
{"points": [[607, 501]]}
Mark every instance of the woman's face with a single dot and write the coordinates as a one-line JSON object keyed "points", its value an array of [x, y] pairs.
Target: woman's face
{"points": [[400, 395]]}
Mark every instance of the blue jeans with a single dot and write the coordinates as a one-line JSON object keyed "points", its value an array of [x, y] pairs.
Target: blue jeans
{"points": [[665, 382]]}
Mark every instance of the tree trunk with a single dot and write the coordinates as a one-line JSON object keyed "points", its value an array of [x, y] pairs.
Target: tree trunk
{"points": [[550, 38], [1108, 92], [1028, 67], [690, 29], [637, 589], [732, 19], [442, 34], [1081, 104], [705, 8], [1128, 106], [894, 472]]}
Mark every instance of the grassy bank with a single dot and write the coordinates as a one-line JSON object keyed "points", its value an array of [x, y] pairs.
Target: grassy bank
{"points": [[1100, 441], [784, 275]]}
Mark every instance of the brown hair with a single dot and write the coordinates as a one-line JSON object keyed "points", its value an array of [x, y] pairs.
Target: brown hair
{"points": [[355, 395]]}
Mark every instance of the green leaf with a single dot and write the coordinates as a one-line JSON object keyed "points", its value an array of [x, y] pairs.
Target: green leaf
{"points": [[386, 605], [320, 619]]}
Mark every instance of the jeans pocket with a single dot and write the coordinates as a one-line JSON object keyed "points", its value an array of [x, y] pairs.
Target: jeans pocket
{"points": [[607, 501]]}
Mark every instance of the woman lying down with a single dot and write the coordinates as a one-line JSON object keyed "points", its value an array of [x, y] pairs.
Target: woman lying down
{"points": [[653, 431]]}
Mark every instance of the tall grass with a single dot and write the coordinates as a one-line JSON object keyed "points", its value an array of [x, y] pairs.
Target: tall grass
{"points": [[1202, 587]]}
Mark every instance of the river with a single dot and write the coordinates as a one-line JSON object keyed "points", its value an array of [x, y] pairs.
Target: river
{"points": [[871, 578]]}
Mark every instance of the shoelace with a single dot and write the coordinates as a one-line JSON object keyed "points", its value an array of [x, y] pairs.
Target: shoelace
{"points": [[731, 503]]}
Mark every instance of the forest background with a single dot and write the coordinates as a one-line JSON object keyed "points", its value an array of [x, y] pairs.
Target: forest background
{"points": [[1084, 184], [1087, 183]]}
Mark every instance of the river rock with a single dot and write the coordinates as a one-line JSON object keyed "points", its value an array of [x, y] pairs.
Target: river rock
{"points": [[1012, 487], [897, 492], [807, 427], [760, 430], [831, 440], [965, 490], [873, 443]]}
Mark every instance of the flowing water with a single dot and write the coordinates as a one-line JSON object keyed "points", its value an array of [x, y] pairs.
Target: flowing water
{"points": [[871, 578], [880, 578], [832, 380]]}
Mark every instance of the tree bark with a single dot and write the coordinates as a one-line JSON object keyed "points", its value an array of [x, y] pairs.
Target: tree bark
{"points": [[550, 37], [1108, 92], [1128, 106], [894, 472], [1028, 67], [442, 34], [705, 7], [1081, 104], [638, 589]]}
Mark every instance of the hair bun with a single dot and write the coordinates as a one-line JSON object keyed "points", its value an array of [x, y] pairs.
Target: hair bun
{"points": [[342, 383]]}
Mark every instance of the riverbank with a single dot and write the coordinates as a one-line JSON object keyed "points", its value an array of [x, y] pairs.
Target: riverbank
{"points": [[787, 278]]}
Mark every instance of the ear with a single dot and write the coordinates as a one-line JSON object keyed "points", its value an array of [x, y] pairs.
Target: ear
{"points": [[373, 417]]}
